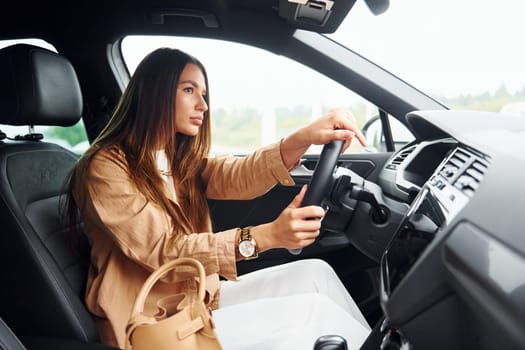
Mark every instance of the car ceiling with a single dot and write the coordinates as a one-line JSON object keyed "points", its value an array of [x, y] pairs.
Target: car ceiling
{"points": [[57, 21]]}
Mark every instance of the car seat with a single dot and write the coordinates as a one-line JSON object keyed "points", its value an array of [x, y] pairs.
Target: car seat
{"points": [[9, 341], [43, 269]]}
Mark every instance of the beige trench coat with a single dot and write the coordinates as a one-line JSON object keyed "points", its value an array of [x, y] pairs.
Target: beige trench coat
{"points": [[130, 235]]}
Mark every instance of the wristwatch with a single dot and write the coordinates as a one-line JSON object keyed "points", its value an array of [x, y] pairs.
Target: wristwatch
{"points": [[247, 245]]}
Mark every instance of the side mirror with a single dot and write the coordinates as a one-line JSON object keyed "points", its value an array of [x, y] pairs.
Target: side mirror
{"points": [[373, 132]]}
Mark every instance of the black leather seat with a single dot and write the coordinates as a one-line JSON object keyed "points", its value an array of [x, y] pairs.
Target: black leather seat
{"points": [[43, 269], [9, 341]]}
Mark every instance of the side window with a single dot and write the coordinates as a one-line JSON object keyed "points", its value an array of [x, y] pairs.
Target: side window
{"points": [[257, 97], [72, 137]]}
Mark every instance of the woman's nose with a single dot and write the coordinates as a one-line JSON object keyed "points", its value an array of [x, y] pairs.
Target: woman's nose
{"points": [[202, 105]]}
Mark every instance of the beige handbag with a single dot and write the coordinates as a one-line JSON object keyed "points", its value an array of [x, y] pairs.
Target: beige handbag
{"points": [[187, 328]]}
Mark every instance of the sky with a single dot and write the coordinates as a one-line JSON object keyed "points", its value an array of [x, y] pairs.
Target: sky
{"points": [[445, 47], [239, 75]]}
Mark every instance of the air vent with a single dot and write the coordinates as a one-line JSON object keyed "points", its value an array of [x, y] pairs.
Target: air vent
{"points": [[464, 170], [469, 180], [454, 165], [399, 158]]}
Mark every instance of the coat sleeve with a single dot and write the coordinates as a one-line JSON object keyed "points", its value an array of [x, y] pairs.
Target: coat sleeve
{"points": [[141, 229], [229, 177]]}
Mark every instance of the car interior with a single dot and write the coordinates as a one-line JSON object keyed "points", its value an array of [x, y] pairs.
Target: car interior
{"points": [[426, 235]]}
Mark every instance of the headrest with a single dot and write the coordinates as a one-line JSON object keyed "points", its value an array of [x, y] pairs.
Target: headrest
{"points": [[37, 87]]}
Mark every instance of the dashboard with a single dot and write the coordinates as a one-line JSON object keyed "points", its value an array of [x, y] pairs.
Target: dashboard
{"points": [[453, 274]]}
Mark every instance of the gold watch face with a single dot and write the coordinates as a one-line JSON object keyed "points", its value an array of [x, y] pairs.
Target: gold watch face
{"points": [[247, 248]]}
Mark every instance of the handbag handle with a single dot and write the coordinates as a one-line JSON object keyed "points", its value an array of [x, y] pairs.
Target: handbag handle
{"points": [[138, 307]]}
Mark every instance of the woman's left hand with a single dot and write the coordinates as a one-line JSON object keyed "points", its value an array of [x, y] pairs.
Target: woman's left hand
{"points": [[338, 124]]}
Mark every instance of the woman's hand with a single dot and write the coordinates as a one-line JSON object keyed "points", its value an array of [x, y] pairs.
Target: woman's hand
{"points": [[338, 124], [295, 227]]}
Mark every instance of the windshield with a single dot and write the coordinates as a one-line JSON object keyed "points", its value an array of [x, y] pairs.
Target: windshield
{"points": [[467, 54]]}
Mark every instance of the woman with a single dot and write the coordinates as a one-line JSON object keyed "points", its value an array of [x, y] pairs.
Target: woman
{"points": [[142, 188]]}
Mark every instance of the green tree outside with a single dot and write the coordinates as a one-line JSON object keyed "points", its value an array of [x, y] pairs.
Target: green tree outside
{"points": [[73, 135]]}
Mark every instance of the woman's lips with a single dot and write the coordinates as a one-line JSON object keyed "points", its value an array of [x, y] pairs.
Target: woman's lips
{"points": [[196, 120]]}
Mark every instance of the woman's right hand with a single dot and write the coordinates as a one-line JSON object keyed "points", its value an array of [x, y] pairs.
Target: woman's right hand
{"points": [[296, 226]]}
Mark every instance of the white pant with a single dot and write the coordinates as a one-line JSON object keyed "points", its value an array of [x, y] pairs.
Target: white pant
{"points": [[287, 307]]}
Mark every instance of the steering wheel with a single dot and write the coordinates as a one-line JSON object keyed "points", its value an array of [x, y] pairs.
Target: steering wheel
{"points": [[323, 173], [321, 178]]}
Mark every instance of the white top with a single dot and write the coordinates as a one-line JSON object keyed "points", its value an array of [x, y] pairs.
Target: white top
{"points": [[165, 172]]}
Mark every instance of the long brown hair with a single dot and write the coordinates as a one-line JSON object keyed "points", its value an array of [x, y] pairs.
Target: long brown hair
{"points": [[143, 120]]}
